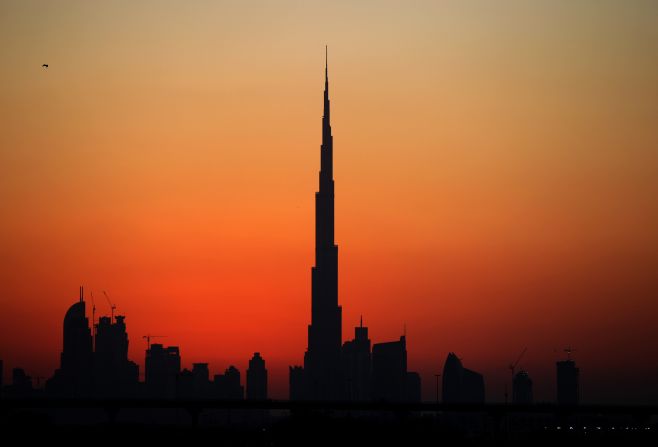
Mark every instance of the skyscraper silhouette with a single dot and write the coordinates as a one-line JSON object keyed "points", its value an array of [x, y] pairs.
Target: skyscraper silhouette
{"points": [[322, 359], [227, 385], [461, 385], [357, 365], [296, 383], [21, 384], [257, 378], [114, 374], [522, 388], [390, 379], [161, 369], [201, 380], [389, 370], [74, 376], [567, 382]]}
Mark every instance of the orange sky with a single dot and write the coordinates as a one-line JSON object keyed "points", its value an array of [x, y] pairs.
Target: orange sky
{"points": [[496, 170]]}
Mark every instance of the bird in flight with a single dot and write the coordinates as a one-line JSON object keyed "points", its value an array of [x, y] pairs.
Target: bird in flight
{"points": [[45, 65]]}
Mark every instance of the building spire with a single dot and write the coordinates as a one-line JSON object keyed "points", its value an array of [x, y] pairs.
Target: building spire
{"points": [[326, 83], [327, 145]]}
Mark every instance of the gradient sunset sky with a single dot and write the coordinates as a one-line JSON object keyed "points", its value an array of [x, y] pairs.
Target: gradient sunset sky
{"points": [[496, 168]]}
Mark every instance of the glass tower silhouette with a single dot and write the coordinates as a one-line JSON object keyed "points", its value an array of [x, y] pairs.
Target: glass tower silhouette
{"points": [[322, 358]]}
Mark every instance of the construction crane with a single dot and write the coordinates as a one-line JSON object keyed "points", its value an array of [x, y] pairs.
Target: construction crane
{"points": [[513, 366], [93, 320], [148, 338], [568, 350], [112, 306], [93, 309]]}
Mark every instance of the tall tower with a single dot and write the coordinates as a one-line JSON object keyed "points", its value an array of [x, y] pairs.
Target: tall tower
{"points": [[74, 376], [322, 358]]}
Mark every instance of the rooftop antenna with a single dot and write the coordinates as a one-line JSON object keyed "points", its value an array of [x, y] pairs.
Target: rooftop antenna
{"points": [[361, 322], [112, 306], [81, 294]]}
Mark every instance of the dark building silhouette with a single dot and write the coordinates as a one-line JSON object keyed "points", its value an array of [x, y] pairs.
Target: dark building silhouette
{"points": [[185, 384], [257, 378], [356, 365], [522, 388], [227, 385], [568, 391], [322, 358], [21, 384], [74, 376], [297, 385], [161, 369], [2, 376], [390, 379], [389, 370], [201, 386], [114, 374], [93, 365], [461, 385], [413, 391], [234, 389]]}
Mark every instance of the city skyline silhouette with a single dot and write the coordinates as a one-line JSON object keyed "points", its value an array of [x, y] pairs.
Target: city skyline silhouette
{"points": [[469, 221], [95, 362]]}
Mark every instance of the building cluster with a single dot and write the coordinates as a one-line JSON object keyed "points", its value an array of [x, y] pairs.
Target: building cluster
{"points": [[97, 364]]}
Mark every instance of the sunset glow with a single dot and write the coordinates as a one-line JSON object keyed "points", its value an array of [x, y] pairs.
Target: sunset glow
{"points": [[496, 176]]}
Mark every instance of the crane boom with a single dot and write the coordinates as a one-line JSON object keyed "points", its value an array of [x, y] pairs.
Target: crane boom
{"points": [[148, 338], [112, 306], [93, 320], [520, 357]]}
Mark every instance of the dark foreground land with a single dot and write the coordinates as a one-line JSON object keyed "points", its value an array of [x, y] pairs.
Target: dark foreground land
{"points": [[227, 424]]}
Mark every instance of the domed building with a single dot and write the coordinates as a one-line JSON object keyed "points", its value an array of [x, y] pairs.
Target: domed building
{"points": [[461, 385], [74, 376]]}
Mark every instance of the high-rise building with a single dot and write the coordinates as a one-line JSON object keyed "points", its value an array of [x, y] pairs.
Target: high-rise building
{"points": [[322, 359], [567, 383], [114, 374], [201, 380], [356, 365], [413, 388], [257, 378], [461, 385], [297, 385], [74, 376], [185, 384], [21, 384], [161, 369], [389, 371], [227, 385], [233, 387], [522, 388]]}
